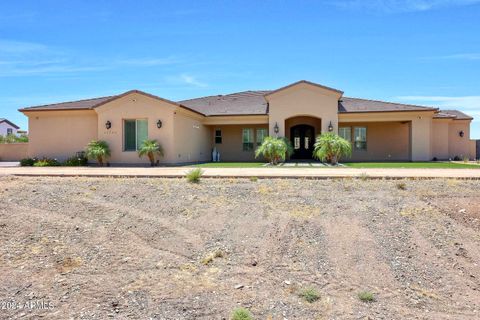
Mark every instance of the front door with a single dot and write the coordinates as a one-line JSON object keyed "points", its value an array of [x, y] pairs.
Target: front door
{"points": [[302, 138]]}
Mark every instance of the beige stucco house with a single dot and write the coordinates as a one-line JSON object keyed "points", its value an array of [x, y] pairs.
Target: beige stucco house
{"points": [[235, 125]]}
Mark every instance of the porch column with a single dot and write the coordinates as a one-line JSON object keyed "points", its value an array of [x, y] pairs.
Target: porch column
{"points": [[420, 139]]}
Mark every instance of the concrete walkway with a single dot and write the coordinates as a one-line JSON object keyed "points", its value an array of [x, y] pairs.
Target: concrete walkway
{"points": [[298, 172]]}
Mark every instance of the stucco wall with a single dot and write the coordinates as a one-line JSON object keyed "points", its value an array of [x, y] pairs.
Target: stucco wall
{"points": [[60, 134], [302, 100], [13, 151], [231, 148], [137, 106], [459, 146], [386, 141], [192, 139], [440, 139]]}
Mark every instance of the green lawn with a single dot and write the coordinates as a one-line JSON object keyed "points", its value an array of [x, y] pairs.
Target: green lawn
{"points": [[229, 165], [426, 165]]}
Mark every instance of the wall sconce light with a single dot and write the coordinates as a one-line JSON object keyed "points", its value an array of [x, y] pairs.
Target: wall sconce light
{"points": [[275, 128], [461, 134], [108, 124], [159, 124], [330, 127]]}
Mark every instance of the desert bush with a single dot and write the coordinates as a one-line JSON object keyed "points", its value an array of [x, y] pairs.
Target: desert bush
{"points": [[402, 186], [330, 147], [366, 296], [150, 148], [98, 150], [274, 149], [27, 162], [46, 162], [310, 295], [75, 161], [194, 175], [241, 314]]}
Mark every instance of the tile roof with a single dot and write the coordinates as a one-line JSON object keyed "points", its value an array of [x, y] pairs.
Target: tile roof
{"points": [[454, 114], [349, 105], [71, 105], [253, 103], [241, 103]]}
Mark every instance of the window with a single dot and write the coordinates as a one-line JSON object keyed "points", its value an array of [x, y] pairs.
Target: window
{"points": [[9, 131], [247, 139], [360, 136], [135, 132], [261, 134], [218, 136], [345, 133]]}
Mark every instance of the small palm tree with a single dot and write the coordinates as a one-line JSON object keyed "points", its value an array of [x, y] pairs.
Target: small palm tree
{"points": [[99, 150], [274, 149], [150, 148], [330, 147]]}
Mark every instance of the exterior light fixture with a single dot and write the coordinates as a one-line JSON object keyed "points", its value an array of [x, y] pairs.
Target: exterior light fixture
{"points": [[461, 133], [159, 124], [108, 124], [330, 127], [275, 128]]}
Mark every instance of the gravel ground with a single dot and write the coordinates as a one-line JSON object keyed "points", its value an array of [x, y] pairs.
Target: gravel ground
{"points": [[99, 248]]}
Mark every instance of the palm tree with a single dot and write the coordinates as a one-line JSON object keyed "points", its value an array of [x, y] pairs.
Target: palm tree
{"points": [[99, 150], [150, 148], [274, 149], [330, 147]]}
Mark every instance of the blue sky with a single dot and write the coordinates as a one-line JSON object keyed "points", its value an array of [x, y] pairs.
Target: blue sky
{"points": [[410, 51]]}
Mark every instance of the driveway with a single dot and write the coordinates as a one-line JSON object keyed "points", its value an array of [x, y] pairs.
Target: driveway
{"points": [[298, 172]]}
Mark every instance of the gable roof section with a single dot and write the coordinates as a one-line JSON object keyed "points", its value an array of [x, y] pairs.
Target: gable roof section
{"points": [[355, 105], [90, 104], [9, 122], [241, 103], [304, 82]]}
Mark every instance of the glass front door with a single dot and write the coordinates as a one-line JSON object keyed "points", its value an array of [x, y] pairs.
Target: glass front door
{"points": [[302, 138]]}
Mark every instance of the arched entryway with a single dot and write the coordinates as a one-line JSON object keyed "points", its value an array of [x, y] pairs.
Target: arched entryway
{"points": [[301, 131]]}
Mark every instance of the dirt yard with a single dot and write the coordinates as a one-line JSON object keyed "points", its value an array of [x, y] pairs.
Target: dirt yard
{"points": [[99, 248]]}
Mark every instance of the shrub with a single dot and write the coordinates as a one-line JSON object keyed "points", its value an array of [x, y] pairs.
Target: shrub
{"points": [[366, 296], [12, 138], [330, 147], [402, 186], [150, 148], [254, 179], [241, 314], [27, 162], [98, 150], [466, 159], [46, 162], [194, 175], [456, 158], [76, 162], [310, 295], [274, 149]]}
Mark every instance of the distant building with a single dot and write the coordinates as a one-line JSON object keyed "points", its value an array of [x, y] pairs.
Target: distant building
{"points": [[7, 127]]}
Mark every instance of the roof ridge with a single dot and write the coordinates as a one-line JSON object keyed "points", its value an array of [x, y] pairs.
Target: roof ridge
{"points": [[72, 101], [224, 95], [389, 102]]}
